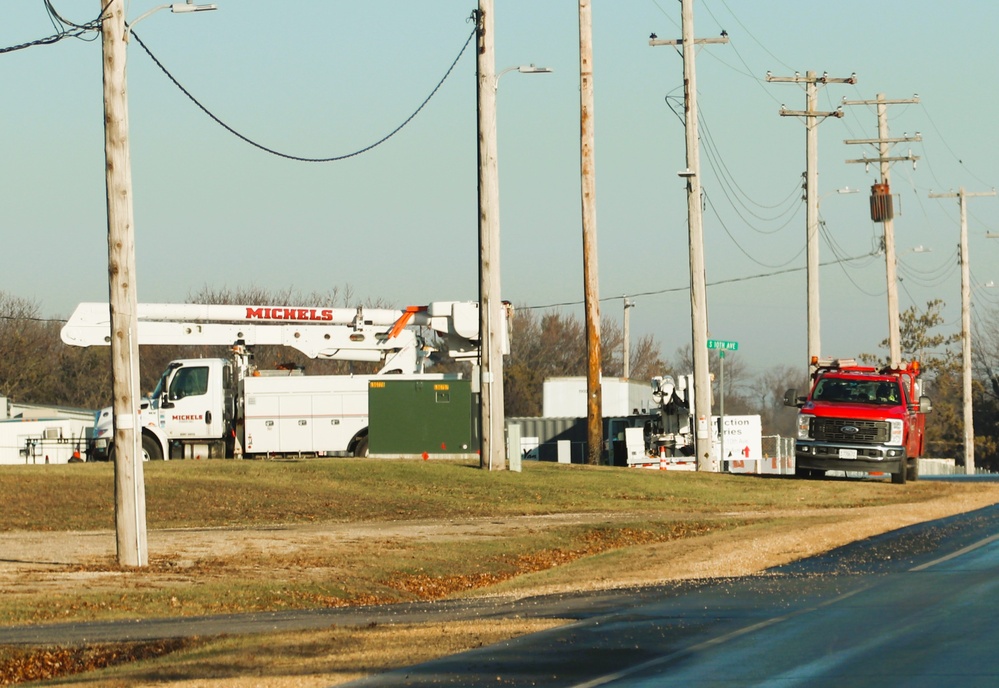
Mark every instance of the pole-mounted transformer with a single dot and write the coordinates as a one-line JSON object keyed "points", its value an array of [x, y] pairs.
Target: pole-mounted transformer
{"points": [[881, 203]]}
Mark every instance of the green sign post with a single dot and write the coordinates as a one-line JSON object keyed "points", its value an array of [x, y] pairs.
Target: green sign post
{"points": [[722, 346]]}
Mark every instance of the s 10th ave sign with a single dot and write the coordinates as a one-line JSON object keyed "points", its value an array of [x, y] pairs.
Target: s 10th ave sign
{"points": [[723, 345]]}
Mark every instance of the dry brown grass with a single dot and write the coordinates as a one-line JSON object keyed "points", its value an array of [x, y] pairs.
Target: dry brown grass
{"points": [[374, 532]]}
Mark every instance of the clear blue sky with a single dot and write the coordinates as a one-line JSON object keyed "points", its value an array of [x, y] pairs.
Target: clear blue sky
{"points": [[398, 224]]}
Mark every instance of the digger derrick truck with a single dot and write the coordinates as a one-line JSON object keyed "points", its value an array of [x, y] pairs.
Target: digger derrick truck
{"points": [[215, 408], [863, 419]]}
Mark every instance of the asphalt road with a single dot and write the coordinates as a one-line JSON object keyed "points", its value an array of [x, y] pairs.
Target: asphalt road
{"points": [[915, 607]]}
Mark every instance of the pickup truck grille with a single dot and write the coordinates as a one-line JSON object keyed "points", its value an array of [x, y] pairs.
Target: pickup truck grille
{"points": [[868, 431]]}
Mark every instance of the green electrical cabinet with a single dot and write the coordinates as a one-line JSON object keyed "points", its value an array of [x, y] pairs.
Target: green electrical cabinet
{"points": [[422, 418]]}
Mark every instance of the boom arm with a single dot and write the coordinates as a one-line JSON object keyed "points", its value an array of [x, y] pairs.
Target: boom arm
{"points": [[361, 334]]}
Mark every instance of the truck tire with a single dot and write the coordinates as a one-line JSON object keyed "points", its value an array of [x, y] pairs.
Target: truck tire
{"points": [[913, 470], [898, 478], [361, 448], [151, 449]]}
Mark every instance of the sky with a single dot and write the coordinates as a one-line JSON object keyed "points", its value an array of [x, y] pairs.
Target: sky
{"points": [[397, 224]]}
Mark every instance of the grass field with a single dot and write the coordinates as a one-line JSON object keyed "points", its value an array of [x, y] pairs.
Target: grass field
{"points": [[233, 536], [183, 494]]}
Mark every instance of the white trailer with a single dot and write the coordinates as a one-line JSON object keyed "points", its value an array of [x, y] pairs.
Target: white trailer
{"points": [[565, 397]]}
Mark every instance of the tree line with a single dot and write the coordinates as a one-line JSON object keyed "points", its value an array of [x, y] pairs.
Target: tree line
{"points": [[36, 367]]}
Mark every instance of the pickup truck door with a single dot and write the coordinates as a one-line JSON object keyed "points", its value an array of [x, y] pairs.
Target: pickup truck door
{"points": [[915, 422], [191, 406]]}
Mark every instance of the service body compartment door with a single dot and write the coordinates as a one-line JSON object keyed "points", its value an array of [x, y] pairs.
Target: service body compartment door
{"points": [[319, 413], [295, 423]]}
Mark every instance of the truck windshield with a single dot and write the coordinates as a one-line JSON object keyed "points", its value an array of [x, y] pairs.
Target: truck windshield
{"points": [[158, 390], [857, 391]]}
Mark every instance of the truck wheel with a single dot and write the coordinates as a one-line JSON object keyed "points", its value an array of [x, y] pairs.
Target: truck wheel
{"points": [[361, 448], [899, 477], [151, 449], [913, 470]]}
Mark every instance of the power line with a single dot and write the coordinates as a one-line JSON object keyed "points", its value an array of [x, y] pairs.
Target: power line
{"points": [[77, 31], [299, 158], [658, 292], [739, 246]]}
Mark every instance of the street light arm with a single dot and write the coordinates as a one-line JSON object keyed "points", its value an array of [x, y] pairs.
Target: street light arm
{"points": [[523, 69], [175, 7]]}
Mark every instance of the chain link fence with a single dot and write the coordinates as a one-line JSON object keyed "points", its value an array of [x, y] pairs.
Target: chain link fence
{"points": [[778, 455]]}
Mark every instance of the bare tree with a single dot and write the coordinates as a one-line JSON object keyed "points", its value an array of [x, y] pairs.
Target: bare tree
{"points": [[768, 390], [553, 344]]}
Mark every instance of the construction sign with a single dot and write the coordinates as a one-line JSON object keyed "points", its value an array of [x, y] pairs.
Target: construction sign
{"points": [[743, 452]]}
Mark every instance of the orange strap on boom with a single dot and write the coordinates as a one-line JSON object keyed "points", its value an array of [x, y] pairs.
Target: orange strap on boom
{"points": [[404, 319]]}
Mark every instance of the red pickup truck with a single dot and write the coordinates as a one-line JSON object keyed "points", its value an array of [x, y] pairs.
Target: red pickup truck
{"points": [[862, 419]]}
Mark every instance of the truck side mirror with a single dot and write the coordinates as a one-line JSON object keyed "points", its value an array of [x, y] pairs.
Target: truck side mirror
{"points": [[925, 405], [791, 397]]}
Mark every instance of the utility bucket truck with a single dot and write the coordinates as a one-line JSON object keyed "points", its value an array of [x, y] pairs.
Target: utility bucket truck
{"points": [[664, 440], [215, 408], [862, 419]]}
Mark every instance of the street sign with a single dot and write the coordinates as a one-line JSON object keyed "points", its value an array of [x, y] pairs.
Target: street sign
{"points": [[723, 345]]}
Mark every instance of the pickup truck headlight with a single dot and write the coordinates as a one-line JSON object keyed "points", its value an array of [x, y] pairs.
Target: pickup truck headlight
{"points": [[804, 426], [896, 429]]}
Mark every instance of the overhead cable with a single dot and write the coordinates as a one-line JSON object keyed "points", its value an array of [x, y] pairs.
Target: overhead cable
{"points": [[300, 158]]}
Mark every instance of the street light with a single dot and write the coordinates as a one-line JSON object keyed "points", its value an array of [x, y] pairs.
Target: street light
{"points": [[524, 69], [176, 8], [491, 308], [844, 190]]}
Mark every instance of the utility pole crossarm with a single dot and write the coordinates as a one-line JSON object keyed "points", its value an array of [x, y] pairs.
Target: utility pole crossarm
{"points": [[654, 42], [890, 158], [784, 112], [812, 78], [966, 194], [902, 139], [885, 101]]}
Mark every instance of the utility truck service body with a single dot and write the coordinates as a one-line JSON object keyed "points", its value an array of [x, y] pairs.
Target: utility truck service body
{"points": [[214, 408], [858, 418]]}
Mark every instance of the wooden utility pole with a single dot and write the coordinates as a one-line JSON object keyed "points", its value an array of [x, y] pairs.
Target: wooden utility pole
{"points": [[969, 416], [626, 363], [698, 283], [129, 487], [884, 144], [594, 395], [492, 455], [812, 120]]}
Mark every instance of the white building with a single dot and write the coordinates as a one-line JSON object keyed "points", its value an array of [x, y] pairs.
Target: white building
{"points": [[38, 434]]}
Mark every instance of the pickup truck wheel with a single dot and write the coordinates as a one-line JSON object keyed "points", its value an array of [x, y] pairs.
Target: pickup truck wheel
{"points": [[899, 477], [913, 470]]}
